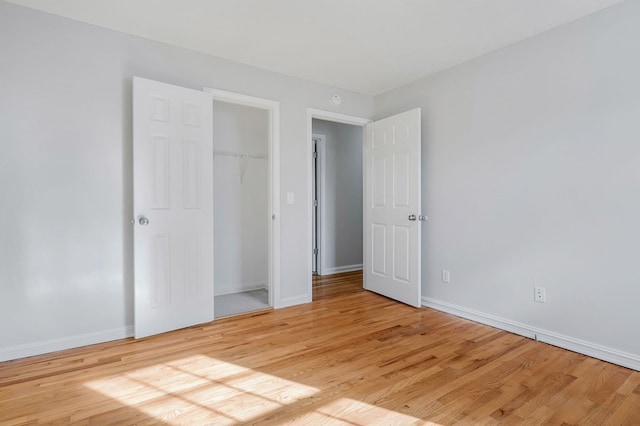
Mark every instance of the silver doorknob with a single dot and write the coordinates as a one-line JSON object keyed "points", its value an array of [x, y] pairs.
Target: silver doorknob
{"points": [[143, 220], [421, 217], [412, 217]]}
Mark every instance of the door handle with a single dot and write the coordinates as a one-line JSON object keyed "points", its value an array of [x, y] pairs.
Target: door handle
{"points": [[412, 217], [422, 218], [143, 220]]}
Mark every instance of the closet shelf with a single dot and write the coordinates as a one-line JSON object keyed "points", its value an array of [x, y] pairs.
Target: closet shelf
{"points": [[239, 155], [243, 159]]}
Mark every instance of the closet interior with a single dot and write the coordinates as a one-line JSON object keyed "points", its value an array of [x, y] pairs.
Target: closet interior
{"points": [[241, 208]]}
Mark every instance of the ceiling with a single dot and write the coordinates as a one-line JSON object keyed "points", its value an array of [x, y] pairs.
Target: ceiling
{"points": [[367, 46]]}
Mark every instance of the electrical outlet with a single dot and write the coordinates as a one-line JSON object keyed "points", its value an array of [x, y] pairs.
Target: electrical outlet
{"points": [[446, 276], [540, 294]]}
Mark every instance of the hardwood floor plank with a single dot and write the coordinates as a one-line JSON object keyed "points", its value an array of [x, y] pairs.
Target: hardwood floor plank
{"points": [[350, 357]]}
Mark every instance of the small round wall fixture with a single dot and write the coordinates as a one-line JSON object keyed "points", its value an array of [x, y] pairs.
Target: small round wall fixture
{"points": [[336, 99]]}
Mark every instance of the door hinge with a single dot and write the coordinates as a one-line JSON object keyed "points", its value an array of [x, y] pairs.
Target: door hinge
{"points": [[315, 203], [315, 251], [315, 155]]}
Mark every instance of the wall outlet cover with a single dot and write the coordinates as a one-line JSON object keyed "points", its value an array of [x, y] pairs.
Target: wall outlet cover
{"points": [[539, 294]]}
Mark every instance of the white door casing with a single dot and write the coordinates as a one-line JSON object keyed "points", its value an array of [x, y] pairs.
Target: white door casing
{"points": [[273, 108], [319, 237], [392, 207], [173, 174], [315, 208]]}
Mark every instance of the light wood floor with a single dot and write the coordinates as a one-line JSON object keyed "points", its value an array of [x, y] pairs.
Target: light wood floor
{"points": [[350, 357]]}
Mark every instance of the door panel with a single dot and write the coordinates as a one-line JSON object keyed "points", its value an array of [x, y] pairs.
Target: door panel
{"points": [[392, 195], [379, 246], [379, 177], [173, 174], [401, 255], [401, 189]]}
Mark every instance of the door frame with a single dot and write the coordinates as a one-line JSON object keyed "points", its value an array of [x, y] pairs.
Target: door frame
{"points": [[273, 146], [337, 118], [320, 196]]}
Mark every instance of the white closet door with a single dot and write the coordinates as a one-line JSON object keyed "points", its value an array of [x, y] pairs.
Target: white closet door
{"points": [[173, 206], [392, 207]]}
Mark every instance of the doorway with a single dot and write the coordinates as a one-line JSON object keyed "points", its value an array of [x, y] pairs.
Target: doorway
{"points": [[392, 159], [246, 198], [241, 208], [336, 199], [174, 247]]}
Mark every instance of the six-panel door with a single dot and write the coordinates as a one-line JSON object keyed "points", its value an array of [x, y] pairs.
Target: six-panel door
{"points": [[173, 207], [392, 207]]}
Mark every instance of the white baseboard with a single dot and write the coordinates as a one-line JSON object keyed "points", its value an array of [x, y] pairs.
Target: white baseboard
{"points": [[338, 269], [292, 301], [240, 288], [54, 345], [576, 345]]}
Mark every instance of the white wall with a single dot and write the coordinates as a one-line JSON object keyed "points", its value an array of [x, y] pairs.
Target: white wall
{"points": [[66, 266], [531, 176], [341, 242], [241, 205]]}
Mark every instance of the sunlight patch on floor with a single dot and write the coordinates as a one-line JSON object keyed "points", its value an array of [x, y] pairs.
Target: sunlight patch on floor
{"points": [[354, 412], [199, 389]]}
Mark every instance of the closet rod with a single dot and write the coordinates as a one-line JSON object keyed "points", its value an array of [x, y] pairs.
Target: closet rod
{"points": [[238, 154]]}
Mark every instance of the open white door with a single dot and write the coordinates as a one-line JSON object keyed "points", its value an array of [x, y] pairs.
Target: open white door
{"points": [[392, 207], [173, 207]]}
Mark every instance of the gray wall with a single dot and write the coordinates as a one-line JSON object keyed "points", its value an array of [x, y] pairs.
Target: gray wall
{"points": [[531, 176], [66, 171], [341, 242]]}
